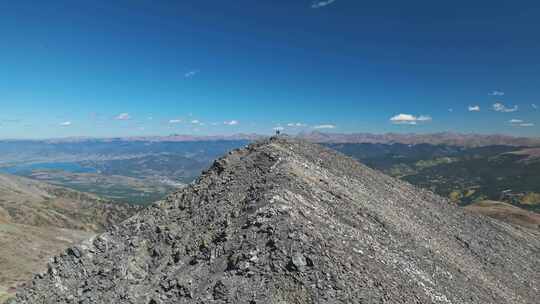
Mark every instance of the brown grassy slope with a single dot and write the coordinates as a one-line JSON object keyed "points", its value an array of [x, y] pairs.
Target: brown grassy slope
{"points": [[506, 212], [26, 249], [28, 202], [531, 153], [38, 221]]}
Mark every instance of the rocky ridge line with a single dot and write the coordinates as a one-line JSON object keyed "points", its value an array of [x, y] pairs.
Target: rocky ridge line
{"points": [[285, 221]]}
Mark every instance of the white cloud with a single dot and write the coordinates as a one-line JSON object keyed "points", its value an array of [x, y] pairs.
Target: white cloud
{"points": [[474, 108], [296, 124], [499, 107], [175, 121], [123, 116], [279, 128], [328, 126], [321, 3], [534, 106], [66, 124], [404, 119], [231, 122], [450, 110], [408, 119], [197, 122], [191, 73], [520, 123], [496, 93], [424, 118]]}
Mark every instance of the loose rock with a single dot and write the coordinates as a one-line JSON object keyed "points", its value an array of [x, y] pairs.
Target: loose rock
{"points": [[284, 221]]}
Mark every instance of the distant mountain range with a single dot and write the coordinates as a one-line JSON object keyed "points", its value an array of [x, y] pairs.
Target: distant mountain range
{"points": [[442, 138], [140, 170]]}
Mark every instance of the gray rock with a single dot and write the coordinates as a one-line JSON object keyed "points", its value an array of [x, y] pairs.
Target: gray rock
{"points": [[298, 262], [284, 221]]}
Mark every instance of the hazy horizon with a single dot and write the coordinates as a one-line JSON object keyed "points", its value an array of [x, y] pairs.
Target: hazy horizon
{"points": [[246, 135]]}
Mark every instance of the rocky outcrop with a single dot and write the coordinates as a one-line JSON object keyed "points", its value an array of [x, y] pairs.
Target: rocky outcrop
{"points": [[284, 221]]}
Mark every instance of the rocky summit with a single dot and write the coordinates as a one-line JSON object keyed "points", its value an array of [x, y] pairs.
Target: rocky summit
{"points": [[285, 221]]}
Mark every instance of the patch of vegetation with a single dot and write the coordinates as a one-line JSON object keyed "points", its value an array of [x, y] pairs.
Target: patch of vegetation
{"points": [[464, 175], [423, 164], [531, 198], [4, 296]]}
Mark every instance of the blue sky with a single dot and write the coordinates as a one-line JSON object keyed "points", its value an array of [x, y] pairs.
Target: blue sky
{"points": [[137, 67]]}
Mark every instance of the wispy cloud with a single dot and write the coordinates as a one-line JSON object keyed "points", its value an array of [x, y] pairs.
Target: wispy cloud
{"points": [[408, 119], [326, 126], [197, 122], [520, 123], [123, 116], [296, 124], [66, 124], [499, 107], [231, 122], [496, 93], [321, 3], [175, 121], [534, 106], [11, 120], [424, 118], [191, 73], [279, 128], [474, 108]]}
